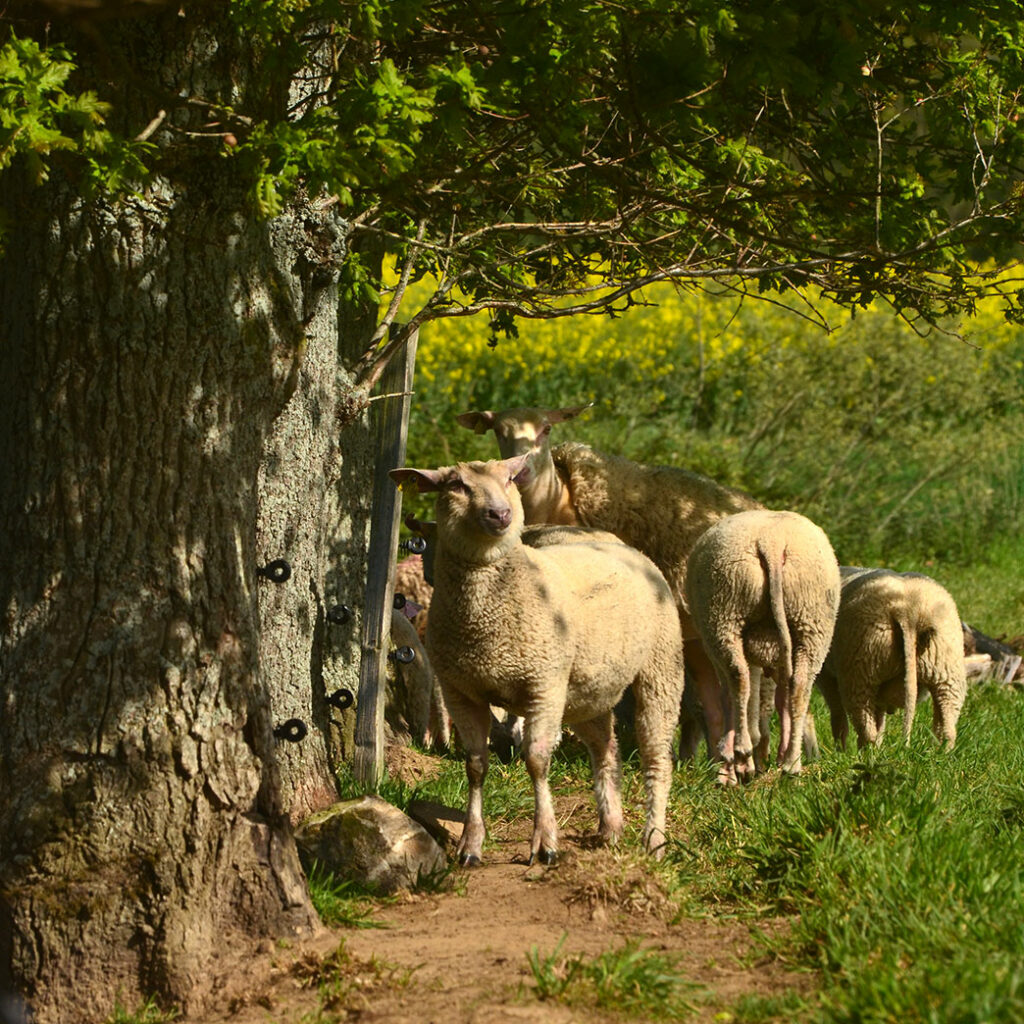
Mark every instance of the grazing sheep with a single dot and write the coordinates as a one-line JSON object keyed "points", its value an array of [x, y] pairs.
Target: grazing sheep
{"points": [[896, 633], [660, 510], [555, 634], [763, 590]]}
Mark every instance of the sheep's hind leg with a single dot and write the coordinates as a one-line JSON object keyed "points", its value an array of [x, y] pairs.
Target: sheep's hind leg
{"points": [[599, 736], [654, 730], [540, 737], [799, 699], [473, 722], [714, 703]]}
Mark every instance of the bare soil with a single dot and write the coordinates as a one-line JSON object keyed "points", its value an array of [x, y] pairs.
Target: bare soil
{"points": [[460, 956]]}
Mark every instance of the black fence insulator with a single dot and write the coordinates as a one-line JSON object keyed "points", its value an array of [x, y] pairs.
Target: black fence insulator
{"points": [[277, 571], [341, 699], [414, 545], [403, 655], [339, 614], [293, 730], [399, 601]]}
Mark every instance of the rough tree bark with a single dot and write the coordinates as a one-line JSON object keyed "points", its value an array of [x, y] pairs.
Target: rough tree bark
{"points": [[149, 348]]}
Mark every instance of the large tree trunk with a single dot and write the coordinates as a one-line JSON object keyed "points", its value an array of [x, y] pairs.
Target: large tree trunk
{"points": [[315, 490], [147, 348]]}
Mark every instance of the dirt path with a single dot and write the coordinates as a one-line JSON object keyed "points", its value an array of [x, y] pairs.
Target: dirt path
{"points": [[460, 957]]}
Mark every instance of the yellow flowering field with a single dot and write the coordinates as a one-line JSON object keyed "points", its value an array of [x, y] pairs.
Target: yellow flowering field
{"points": [[900, 445]]}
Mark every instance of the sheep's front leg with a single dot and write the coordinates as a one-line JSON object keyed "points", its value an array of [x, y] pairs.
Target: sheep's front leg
{"points": [[599, 736], [473, 722], [945, 712], [540, 737], [829, 687], [765, 710]]}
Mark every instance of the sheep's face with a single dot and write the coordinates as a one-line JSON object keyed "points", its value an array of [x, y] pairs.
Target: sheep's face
{"points": [[481, 498], [525, 431], [522, 432], [478, 503]]}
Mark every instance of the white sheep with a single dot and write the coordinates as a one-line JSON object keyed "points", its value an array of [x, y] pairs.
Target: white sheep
{"points": [[506, 728], [896, 633], [660, 510], [555, 634], [763, 590]]}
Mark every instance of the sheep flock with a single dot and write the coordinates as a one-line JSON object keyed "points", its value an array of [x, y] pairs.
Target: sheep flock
{"points": [[559, 580]]}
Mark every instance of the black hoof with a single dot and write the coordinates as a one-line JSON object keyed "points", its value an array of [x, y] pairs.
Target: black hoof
{"points": [[469, 860], [548, 857]]}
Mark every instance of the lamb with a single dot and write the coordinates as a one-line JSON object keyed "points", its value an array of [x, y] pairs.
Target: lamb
{"points": [[529, 629], [660, 510], [506, 728], [763, 590], [896, 633]]}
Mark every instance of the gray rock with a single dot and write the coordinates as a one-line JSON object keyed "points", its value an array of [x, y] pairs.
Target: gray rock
{"points": [[370, 842]]}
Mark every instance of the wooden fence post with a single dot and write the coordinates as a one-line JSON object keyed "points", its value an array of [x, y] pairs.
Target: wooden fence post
{"points": [[390, 422]]}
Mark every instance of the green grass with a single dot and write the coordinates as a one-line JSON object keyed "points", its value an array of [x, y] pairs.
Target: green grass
{"points": [[339, 902], [633, 980], [147, 1013], [902, 868]]}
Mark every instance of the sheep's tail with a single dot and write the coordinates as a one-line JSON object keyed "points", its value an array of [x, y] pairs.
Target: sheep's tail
{"points": [[908, 633], [776, 601]]}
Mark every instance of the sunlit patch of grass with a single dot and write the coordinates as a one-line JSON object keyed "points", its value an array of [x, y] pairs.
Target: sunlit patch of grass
{"points": [[760, 1009], [900, 866], [148, 1012], [632, 980]]}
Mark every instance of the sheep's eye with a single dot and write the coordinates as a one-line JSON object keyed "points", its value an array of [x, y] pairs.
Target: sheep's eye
{"points": [[457, 486], [544, 433]]}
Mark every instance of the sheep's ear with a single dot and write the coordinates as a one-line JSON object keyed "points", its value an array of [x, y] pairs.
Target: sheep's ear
{"points": [[569, 413], [424, 479], [480, 422], [426, 528], [518, 468]]}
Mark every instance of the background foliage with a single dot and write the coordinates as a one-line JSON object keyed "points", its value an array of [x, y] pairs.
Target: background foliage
{"points": [[905, 448]]}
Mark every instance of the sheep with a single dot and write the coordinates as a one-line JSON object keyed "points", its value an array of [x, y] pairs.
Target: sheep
{"points": [[763, 589], [415, 704], [660, 510], [411, 581], [896, 633], [506, 728], [555, 634]]}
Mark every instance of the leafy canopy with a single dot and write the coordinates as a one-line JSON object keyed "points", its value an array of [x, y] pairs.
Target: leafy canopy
{"points": [[541, 157]]}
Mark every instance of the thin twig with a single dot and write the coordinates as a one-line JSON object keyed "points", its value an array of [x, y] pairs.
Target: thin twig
{"points": [[152, 126]]}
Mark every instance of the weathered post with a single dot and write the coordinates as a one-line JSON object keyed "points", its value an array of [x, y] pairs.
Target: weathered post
{"points": [[390, 425]]}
